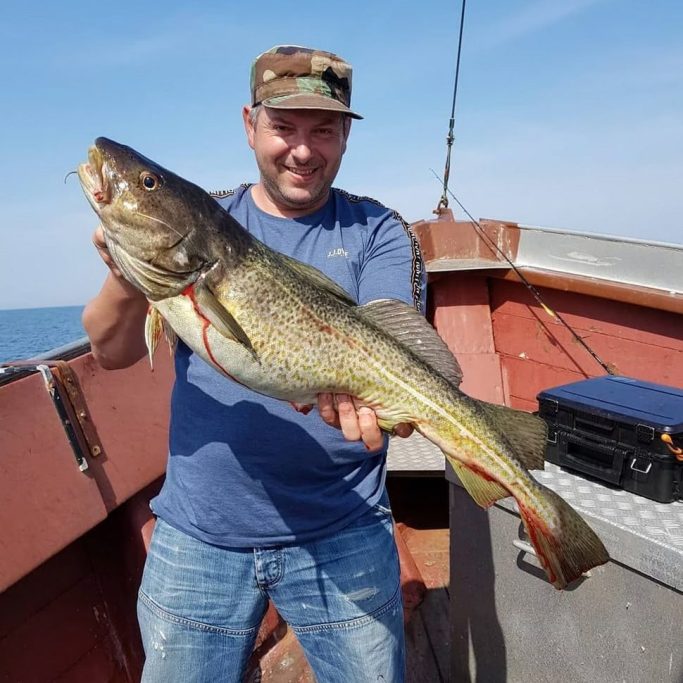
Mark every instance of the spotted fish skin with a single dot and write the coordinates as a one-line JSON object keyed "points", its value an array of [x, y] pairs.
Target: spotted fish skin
{"points": [[285, 330]]}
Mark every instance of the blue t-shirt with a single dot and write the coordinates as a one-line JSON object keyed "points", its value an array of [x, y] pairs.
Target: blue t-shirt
{"points": [[246, 470]]}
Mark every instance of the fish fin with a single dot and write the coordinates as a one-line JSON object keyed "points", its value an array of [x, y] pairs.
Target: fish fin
{"points": [[211, 308], [154, 326], [566, 547], [317, 278], [171, 337], [408, 326], [484, 491], [527, 434]]}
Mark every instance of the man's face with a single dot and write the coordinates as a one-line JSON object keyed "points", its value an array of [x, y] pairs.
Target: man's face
{"points": [[298, 153]]}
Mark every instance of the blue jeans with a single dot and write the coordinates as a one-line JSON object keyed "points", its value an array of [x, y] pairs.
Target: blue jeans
{"points": [[200, 606]]}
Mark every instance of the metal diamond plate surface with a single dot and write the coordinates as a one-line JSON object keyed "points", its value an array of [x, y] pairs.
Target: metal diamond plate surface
{"points": [[657, 522], [414, 454], [638, 532]]}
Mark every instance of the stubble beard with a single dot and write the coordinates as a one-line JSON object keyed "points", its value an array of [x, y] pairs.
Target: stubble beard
{"points": [[289, 198]]}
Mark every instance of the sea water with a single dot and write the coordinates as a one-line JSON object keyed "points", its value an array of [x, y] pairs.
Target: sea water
{"points": [[30, 332]]}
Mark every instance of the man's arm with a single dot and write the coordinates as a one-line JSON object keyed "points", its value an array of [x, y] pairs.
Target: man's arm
{"points": [[115, 319]]}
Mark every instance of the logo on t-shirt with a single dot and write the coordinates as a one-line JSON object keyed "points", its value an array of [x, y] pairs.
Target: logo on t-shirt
{"points": [[339, 251]]}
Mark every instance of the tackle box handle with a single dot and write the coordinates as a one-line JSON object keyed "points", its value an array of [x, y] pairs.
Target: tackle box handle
{"points": [[608, 471]]}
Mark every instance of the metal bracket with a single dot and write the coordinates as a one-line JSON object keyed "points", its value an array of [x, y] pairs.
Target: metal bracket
{"points": [[62, 386], [637, 469], [525, 547], [58, 401]]}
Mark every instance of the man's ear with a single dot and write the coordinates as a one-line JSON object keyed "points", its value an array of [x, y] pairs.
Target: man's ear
{"points": [[249, 126]]}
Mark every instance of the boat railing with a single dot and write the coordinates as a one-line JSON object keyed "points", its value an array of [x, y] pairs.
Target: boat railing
{"points": [[16, 369]]}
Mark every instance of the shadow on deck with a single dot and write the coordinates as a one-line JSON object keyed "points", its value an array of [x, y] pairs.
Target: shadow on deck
{"points": [[420, 506]]}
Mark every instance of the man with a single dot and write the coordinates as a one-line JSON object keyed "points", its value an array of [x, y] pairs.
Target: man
{"points": [[260, 501]]}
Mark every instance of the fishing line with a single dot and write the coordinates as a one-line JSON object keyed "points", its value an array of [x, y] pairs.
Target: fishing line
{"points": [[534, 292]]}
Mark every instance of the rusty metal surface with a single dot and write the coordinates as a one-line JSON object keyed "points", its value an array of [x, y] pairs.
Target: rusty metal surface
{"points": [[79, 407]]}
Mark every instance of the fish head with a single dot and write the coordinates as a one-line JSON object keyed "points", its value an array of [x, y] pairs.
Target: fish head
{"points": [[149, 215]]}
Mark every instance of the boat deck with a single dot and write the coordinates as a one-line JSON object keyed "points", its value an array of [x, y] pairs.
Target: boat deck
{"points": [[427, 634], [420, 506]]}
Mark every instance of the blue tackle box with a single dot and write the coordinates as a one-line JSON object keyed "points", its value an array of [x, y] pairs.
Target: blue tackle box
{"points": [[620, 430]]}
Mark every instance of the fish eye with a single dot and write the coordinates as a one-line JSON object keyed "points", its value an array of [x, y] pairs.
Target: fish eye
{"points": [[150, 181]]}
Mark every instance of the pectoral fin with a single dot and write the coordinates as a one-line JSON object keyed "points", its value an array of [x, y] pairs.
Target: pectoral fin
{"points": [[222, 320], [155, 326]]}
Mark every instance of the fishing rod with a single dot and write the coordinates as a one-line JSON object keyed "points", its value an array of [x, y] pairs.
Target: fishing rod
{"points": [[450, 138], [534, 292], [443, 204]]}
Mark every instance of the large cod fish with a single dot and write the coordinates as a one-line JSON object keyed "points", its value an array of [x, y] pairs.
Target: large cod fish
{"points": [[284, 329]]}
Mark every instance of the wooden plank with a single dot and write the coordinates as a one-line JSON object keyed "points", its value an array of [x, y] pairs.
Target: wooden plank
{"points": [[482, 376], [590, 314], [430, 550], [462, 314], [46, 501], [526, 379], [553, 344], [523, 404], [96, 665], [41, 587]]}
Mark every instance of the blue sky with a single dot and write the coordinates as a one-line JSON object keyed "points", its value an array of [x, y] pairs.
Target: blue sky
{"points": [[569, 115]]}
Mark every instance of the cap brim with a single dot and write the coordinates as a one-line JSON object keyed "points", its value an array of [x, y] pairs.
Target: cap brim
{"points": [[309, 101]]}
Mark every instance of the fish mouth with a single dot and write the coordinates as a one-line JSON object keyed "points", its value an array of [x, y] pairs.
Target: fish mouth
{"points": [[94, 177]]}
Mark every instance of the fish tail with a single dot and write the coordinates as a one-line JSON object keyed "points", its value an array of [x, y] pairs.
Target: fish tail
{"points": [[564, 543]]}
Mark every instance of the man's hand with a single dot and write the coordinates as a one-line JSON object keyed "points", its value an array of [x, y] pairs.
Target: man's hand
{"points": [[115, 319], [357, 422], [119, 281], [101, 246]]}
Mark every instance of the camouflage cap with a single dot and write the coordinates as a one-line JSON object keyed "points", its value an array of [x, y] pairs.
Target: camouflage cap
{"points": [[293, 77]]}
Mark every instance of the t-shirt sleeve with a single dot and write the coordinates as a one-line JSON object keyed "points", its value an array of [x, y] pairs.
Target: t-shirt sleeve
{"points": [[392, 265]]}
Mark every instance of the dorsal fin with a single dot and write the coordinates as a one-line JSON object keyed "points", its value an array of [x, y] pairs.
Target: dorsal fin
{"points": [[526, 433], [409, 327], [318, 279]]}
